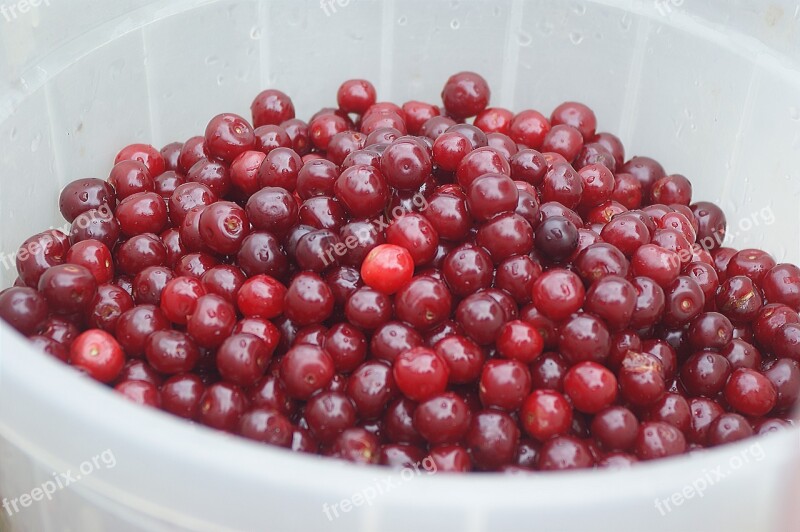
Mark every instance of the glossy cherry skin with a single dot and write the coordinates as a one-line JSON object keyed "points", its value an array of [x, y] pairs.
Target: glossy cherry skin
{"points": [[23, 308], [68, 288], [504, 384], [98, 354], [657, 439], [465, 94], [387, 268], [420, 373], [558, 293], [212, 321], [272, 107], [750, 392], [423, 303]]}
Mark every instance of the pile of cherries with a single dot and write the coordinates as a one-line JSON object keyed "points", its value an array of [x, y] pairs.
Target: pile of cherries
{"points": [[385, 283]]}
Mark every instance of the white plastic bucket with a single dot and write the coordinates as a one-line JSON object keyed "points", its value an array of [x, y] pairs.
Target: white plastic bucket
{"points": [[709, 88]]}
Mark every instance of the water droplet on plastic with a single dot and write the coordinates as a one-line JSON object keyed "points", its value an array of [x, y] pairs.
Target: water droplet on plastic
{"points": [[578, 9], [794, 113], [544, 27], [14, 134], [220, 80], [402, 21], [625, 22], [35, 142], [524, 38], [455, 24], [575, 38], [255, 33], [212, 60], [497, 11]]}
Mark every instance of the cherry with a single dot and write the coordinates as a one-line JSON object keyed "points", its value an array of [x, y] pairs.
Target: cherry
{"points": [[149, 284], [221, 406], [143, 212], [127, 178], [465, 94], [564, 140], [519, 340], [298, 135], [646, 170], [712, 225], [424, 303], [599, 260], [684, 300], [504, 384], [556, 238], [171, 352], [478, 162], [393, 338], [449, 149], [271, 107], [750, 392], [590, 386], [558, 293], [23, 308], [784, 374], [328, 414], [442, 419], [657, 439], [705, 373], [266, 426], [308, 300], [641, 378], [728, 428], [613, 299], [529, 128], [491, 194], [305, 369], [140, 392], [98, 354], [492, 439], [362, 190], [68, 288], [781, 284], [98, 224], [710, 330], [368, 308], [657, 263], [212, 321], [584, 337], [576, 115], [741, 354], [242, 359], [505, 235], [466, 269], [564, 452], [739, 299], [420, 373], [357, 445], [615, 428], [268, 137], [387, 268], [752, 263], [482, 317], [85, 195]]}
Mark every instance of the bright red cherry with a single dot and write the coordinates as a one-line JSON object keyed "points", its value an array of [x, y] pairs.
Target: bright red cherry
{"points": [[387, 268]]}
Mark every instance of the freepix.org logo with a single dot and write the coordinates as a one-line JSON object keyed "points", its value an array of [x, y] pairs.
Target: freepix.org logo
{"points": [[12, 12]]}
